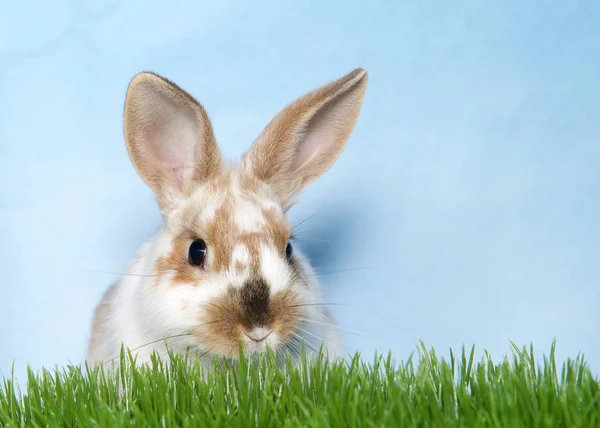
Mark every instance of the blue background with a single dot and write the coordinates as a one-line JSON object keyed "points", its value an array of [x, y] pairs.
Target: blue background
{"points": [[467, 201]]}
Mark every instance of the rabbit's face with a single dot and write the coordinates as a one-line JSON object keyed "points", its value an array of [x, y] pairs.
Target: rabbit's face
{"points": [[225, 271], [227, 263]]}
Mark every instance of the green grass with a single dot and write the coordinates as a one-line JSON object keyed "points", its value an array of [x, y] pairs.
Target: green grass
{"points": [[424, 391]]}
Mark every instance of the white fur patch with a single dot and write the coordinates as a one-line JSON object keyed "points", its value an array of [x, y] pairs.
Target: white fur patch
{"points": [[267, 203], [248, 215], [274, 269], [240, 255], [207, 214]]}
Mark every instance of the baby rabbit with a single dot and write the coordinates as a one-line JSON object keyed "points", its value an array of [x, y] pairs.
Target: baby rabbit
{"points": [[221, 271]]}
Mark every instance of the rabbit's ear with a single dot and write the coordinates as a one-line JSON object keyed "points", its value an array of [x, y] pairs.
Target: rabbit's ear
{"points": [[307, 136], [169, 138]]}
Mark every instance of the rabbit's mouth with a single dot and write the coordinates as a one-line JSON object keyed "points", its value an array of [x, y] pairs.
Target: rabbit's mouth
{"points": [[259, 339], [252, 317], [258, 335]]}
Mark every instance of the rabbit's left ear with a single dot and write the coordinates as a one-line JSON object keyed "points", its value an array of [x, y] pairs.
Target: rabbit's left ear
{"points": [[307, 136]]}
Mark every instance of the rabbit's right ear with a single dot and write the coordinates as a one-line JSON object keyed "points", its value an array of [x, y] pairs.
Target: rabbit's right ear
{"points": [[169, 138], [306, 137]]}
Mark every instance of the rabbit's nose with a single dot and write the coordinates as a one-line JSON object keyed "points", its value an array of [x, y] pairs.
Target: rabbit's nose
{"points": [[254, 297]]}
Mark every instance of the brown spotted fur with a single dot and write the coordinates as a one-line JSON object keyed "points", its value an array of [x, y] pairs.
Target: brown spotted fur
{"points": [[270, 171], [222, 235]]}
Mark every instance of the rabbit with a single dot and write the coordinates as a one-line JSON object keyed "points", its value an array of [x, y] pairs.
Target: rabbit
{"points": [[222, 273]]}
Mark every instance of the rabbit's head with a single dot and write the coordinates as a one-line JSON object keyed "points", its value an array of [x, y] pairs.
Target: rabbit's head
{"points": [[223, 268]]}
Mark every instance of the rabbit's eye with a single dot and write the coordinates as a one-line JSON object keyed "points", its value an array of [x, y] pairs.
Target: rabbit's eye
{"points": [[289, 251], [197, 252]]}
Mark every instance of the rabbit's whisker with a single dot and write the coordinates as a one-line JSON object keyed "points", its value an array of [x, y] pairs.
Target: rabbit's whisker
{"points": [[311, 239], [122, 273], [311, 321], [153, 342], [339, 271], [306, 343], [320, 338], [318, 304], [295, 227], [168, 337]]}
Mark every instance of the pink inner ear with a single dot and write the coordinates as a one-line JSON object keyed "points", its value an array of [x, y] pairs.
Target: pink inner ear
{"points": [[171, 135], [317, 137], [324, 132]]}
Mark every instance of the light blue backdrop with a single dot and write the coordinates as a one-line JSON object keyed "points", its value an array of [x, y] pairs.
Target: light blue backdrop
{"points": [[468, 198]]}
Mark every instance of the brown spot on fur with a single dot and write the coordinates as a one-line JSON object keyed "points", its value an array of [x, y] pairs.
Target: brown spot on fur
{"points": [[176, 262], [249, 183], [252, 243], [221, 232], [279, 230], [228, 317]]}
